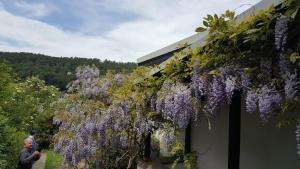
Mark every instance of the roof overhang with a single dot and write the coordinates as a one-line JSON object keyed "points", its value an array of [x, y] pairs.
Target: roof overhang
{"points": [[199, 39]]}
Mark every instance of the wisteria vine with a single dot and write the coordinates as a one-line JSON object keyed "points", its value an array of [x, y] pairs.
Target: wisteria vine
{"points": [[113, 113]]}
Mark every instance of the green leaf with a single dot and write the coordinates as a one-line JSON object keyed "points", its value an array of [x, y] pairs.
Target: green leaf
{"points": [[205, 23], [295, 13], [216, 17], [252, 31], [210, 18], [200, 29], [246, 40], [290, 12], [214, 72], [233, 35], [279, 124], [287, 3], [229, 14], [294, 56]]}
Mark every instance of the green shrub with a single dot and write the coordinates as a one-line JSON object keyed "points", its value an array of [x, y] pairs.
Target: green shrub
{"points": [[54, 160]]}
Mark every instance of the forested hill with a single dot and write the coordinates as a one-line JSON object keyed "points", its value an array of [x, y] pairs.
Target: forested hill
{"points": [[54, 70]]}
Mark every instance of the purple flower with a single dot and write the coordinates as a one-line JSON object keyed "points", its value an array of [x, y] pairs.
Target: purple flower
{"points": [[281, 32], [251, 101], [229, 76], [196, 83], [291, 85], [245, 81], [168, 135], [176, 104], [217, 94], [152, 103], [230, 86], [269, 100], [119, 78]]}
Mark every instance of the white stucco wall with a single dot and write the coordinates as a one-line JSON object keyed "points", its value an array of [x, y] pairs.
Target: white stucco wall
{"points": [[265, 146], [211, 145]]}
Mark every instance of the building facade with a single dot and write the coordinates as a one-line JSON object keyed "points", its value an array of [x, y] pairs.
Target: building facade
{"points": [[237, 139]]}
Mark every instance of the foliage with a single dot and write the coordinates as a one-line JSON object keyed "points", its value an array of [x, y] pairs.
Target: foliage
{"points": [[23, 106], [53, 160], [102, 118], [57, 70], [190, 161], [177, 68]]}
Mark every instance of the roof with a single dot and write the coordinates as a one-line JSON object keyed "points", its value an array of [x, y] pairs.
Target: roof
{"points": [[199, 39]]}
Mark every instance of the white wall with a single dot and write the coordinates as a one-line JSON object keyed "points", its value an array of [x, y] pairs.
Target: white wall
{"points": [[211, 145], [265, 146]]}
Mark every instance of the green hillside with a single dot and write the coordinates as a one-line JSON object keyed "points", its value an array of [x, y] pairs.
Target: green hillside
{"points": [[54, 70]]}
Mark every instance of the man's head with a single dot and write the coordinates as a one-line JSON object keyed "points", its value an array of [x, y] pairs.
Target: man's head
{"points": [[28, 143], [32, 132]]}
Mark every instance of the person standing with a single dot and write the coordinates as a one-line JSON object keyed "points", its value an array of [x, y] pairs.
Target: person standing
{"points": [[32, 137], [26, 157]]}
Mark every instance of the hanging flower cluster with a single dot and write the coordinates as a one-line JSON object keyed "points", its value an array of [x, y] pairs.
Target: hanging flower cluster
{"points": [[291, 85], [110, 121], [175, 103], [281, 32], [217, 89]]}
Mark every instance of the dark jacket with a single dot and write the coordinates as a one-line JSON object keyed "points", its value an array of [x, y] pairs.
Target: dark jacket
{"points": [[25, 159]]}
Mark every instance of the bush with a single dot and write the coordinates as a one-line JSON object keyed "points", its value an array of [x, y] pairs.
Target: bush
{"points": [[54, 160]]}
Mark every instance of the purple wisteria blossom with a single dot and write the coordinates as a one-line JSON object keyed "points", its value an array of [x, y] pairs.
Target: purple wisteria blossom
{"points": [[119, 78], [160, 101], [86, 82], [196, 83], [252, 101], [217, 94], [230, 86], [281, 32], [168, 135], [291, 85], [229, 75], [90, 85], [269, 100], [245, 81], [152, 103], [143, 126], [176, 104], [201, 83]]}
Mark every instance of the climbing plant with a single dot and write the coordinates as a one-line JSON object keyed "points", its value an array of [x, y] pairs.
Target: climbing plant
{"points": [[104, 120]]}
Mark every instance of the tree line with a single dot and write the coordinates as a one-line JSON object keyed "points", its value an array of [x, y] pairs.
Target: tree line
{"points": [[57, 71]]}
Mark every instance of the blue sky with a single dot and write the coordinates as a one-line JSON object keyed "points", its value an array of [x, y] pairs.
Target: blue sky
{"points": [[120, 30]]}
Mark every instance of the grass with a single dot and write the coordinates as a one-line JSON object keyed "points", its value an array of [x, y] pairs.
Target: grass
{"points": [[53, 160]]}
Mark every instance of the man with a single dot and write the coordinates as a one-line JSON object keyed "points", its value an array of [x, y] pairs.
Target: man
{"points": [[26, 157], [32, 136]]}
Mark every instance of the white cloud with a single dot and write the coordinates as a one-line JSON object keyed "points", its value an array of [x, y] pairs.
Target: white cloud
{"points": [[34, 10], [159, 23]]}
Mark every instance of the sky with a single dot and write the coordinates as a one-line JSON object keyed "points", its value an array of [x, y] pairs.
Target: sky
{"points": [[118, 30]]}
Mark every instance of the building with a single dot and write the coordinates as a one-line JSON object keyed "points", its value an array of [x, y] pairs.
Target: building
{"points": [[237, 139]]}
